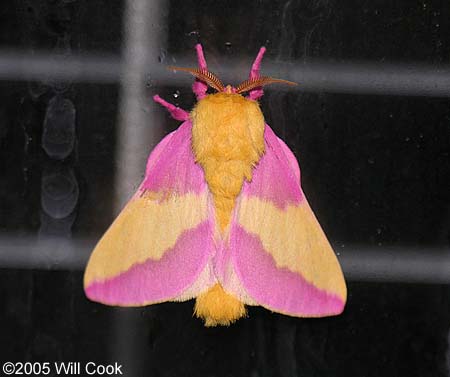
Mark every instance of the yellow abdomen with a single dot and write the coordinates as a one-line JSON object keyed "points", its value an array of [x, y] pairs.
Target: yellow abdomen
{"points": [[227, 141]]}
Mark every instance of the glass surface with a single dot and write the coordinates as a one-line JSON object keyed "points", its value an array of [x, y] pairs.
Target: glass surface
{"points": [[369, 124]]}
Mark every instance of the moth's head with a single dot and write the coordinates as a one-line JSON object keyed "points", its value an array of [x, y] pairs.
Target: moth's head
{"points": [[215, 83]]}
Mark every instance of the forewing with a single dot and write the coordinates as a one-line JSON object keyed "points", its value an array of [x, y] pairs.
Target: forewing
{"points": [[159, 247], [279, 256]]}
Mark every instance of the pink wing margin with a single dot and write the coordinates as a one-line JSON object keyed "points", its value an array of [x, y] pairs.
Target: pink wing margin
{"points": [[126, 267], [277, 255]]}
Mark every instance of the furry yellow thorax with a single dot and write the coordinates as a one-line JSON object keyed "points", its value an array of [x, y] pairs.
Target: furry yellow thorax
{"points": [[227, 141]]}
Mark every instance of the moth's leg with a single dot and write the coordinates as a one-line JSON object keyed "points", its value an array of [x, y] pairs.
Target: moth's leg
{"points": [[176, 112], [254, 74], [199, 87]]}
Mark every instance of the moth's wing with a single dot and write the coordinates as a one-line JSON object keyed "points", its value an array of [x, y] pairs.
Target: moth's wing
{"points": [[159, 247], [277, 255]]}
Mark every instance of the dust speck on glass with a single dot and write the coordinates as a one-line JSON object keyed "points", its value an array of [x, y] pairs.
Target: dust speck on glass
{"points": [[368, 122]]}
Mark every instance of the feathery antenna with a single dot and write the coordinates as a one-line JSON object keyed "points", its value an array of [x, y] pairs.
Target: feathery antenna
{"points": [[208, 77], [250, 84]]}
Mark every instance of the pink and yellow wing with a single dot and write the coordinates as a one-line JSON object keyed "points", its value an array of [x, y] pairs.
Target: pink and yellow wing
{"points": [[280, 257], [159, 247]]}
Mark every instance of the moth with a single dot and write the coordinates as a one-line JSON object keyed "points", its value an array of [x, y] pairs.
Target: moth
{"points": [[220, 217]]}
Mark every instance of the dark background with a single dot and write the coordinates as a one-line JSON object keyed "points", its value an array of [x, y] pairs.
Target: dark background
{"points": [[374, 167]]}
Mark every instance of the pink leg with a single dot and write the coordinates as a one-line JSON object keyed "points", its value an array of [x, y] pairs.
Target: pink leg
{"points": [[200, 57], [176, 112], [198, 87], [254, 74]]}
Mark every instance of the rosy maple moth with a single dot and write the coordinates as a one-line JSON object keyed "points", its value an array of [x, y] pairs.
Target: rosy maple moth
{"points": [[221, 217]]}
